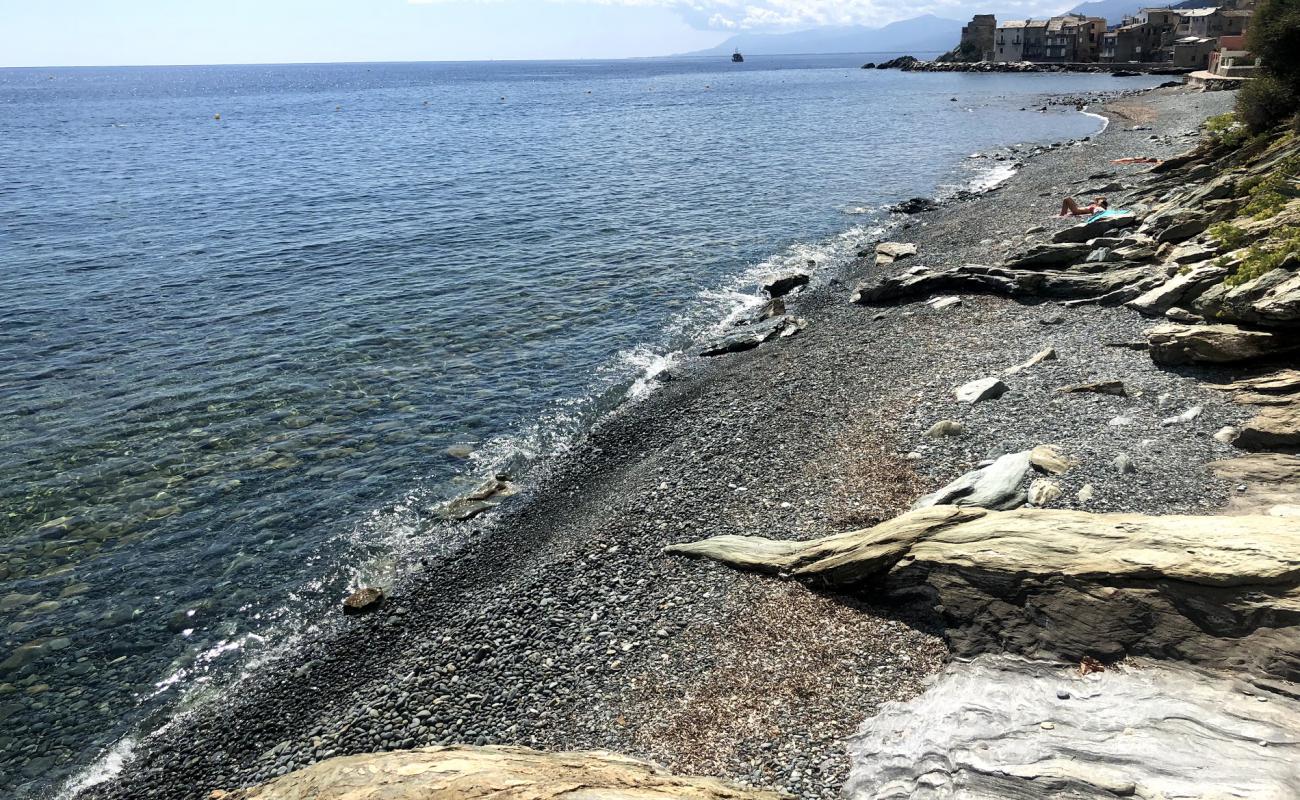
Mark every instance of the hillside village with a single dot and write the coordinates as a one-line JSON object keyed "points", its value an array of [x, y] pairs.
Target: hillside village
{"points": [[1211, 39]]}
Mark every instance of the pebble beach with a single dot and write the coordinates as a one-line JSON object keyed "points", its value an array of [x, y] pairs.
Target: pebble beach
{"points": [[562, 626]]}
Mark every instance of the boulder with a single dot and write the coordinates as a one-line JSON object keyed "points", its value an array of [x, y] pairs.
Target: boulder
{"points": [[460, 772], [1270, 300], [1173, 343], [786, 284], [1181, 287], [1114, 387], [363, 601], [1192, 253], [1219, 591], [1006, 728], [982, 389], [1095, 228]]}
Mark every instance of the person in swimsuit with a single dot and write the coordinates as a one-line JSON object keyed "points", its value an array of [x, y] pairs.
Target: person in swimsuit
{"points": [[1069, 208]]}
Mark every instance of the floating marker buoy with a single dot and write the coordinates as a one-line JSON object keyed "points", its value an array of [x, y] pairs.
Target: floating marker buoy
{"points": [[216, 116], [338, 108], [426, 102]]}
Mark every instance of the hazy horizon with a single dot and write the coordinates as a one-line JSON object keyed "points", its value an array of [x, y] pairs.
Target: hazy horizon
{"points": [[84, 33]]}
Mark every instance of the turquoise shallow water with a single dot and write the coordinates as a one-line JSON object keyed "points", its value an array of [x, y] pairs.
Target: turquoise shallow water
{"points": [[241, 357]]}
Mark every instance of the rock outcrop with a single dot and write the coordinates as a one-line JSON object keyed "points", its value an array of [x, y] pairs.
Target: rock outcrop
{"points": [[1174, 343], [1220, 591], [1267, 483], [1002, 728], [489, 773]]}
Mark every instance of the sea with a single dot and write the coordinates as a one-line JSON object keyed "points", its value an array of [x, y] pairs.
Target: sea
{"points": [[257, 322]]}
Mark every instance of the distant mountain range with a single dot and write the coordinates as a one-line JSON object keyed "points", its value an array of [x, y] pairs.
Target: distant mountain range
{"points": [[922, 34], [1115, 10]]}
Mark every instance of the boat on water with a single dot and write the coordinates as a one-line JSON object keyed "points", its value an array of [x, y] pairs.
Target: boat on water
{"points": [[737, 58]]}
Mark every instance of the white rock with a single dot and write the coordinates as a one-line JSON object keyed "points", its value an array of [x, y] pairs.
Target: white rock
{"points": [[1187, 416], [1043, 492], [1226, 434], [1086, 493], [982, 389]]}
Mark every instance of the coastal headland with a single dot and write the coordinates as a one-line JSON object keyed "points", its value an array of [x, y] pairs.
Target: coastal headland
{"points": [[1006, 508]]}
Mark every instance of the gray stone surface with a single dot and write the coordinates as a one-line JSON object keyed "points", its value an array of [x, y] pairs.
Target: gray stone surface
{"points": [[1002, 728]]}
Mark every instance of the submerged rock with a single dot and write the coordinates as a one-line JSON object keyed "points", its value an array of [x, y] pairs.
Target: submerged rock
{"points": [[462, 772], [1002, 727], [786, 284]]}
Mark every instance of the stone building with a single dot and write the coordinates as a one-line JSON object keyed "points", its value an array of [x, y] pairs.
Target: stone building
{"points": [[977, 38]]}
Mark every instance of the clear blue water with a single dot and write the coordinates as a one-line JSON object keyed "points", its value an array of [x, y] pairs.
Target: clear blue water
{"points": [[240, 357]]}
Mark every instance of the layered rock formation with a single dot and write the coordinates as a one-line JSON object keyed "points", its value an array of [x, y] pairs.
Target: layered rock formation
{"points": [[1005, 729], [499, 773], [1219, 591]]}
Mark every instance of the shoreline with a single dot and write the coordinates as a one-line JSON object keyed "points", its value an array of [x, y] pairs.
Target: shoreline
{"points": [[732, 437]]}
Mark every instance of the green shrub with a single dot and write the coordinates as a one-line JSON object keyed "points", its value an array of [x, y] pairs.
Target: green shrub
{"points": [[1266, 256], [1265, 101], [1224, 129], [1270, 193], [1228, 235]]}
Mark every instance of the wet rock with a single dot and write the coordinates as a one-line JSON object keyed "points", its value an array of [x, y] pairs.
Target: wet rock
{"points": [[489, 773], [1114, 387], [916, 205], [747, 337], [1173, 343], [484, 497], [786, 284], [979, 390], [363, 601]]}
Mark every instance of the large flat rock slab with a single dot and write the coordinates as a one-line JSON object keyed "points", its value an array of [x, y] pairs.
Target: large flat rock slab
{"points": [[1175, 343], [1001, 728], [1222, 590], [498, 773]]}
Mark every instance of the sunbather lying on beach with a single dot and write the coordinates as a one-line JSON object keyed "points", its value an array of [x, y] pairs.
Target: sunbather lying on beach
{"points": [[1069, 208], [1136, 160]]}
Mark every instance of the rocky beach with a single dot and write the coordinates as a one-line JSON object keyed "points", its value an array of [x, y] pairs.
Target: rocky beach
{"points": [[1005, 508]]}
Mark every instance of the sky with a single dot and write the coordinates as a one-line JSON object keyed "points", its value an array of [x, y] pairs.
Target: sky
{"points": [[112, 32]]}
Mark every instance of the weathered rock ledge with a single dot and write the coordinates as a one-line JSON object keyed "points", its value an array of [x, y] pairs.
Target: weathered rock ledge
{"points": [[500, 773], [1218, 591], [1001, 727]]}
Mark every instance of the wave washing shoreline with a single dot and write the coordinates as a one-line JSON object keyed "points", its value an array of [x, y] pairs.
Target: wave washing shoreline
{"points": [[848, 242]]}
